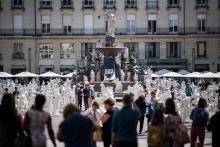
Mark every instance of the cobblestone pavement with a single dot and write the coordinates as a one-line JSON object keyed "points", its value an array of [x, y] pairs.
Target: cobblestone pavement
{"points": [[142, 138]]}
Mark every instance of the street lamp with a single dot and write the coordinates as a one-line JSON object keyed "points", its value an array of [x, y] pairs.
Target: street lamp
{"points": [[193, 59]]}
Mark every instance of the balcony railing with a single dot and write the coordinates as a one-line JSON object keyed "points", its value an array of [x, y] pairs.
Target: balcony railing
{"points": [[109, 4], [17, 5], [165, 63], [45, 4], [130, 4], [18, 56], [152, 5], [66, 4], [88, 4], [102, 31]]}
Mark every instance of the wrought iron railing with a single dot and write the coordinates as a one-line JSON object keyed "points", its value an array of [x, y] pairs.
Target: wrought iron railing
{"points": [[102, 31], [17, 55]]}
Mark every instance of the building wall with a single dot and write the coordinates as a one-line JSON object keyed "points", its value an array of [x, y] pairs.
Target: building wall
{"points": [[188, 41]]}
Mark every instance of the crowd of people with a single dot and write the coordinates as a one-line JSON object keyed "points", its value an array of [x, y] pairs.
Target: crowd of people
{"points": [[115, 127]]}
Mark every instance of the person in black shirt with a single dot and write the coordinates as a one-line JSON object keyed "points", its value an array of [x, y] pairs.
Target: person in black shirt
{"points": [[214, 126], [16, 92], [140, 102], [107, 122], [86, 94], [80, 97]]}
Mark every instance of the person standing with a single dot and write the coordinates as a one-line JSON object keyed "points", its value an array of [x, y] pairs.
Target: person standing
{"points": [[151, 106], [214, 126], [35, 121], [171, 121], [140, 102], [106, 120], [10, 121], [188, 90], [86, 94], [80, 97], [200, 117], [16, 92], [124, 124], [75, 130]]}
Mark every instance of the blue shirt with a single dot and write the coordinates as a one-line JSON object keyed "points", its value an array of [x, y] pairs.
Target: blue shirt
{"points": [[124, 124], [77, 131]]}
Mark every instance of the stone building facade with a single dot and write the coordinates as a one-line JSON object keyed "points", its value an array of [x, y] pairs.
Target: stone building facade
{"points": [[42, 35]]}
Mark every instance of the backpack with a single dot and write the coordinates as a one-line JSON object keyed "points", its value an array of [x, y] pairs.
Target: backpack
{"points": [[155, 136], [199, 117], [181, 134]]}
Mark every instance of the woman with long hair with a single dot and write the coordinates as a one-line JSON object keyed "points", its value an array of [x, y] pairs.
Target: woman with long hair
{"points": [[172, 120], [10, 121]]}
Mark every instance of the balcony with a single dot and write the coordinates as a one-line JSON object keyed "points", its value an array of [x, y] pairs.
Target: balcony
{"points": [[152, 5], [17, 5], [18, 55], [130, 4], [109, 4], [66, 4], [102, 31], [164, 63], [173, 5], [88, 4], [45, 4]]}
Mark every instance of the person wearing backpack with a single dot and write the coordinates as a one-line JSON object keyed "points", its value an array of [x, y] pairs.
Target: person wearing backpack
{"points": [[200, 117], [156, 130]]}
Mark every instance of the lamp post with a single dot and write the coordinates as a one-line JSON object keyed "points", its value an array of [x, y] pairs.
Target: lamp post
{"points": [[193, 59]]}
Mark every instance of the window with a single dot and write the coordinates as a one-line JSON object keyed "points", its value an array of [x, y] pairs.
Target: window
{"points": [[46, 23], [86, 48], [131, 24], [133, 48], [152, 23], [201, 67], [88, 4], [109, 3], [17, 2], [218, 67], [173, 23], [18, 47], [46, 51], [201, 22], [67, 2], [173, 49], [46, 4], [88, 24], [152, 4], [67, 22], [201, 49], [172, 2], [130, 4], [202, 2], [67, 50], [18, 24], [152, 50]]}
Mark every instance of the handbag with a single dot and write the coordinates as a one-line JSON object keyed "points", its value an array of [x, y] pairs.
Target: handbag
{"points": [[97, 135], [181, 134], [22, 140]]}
